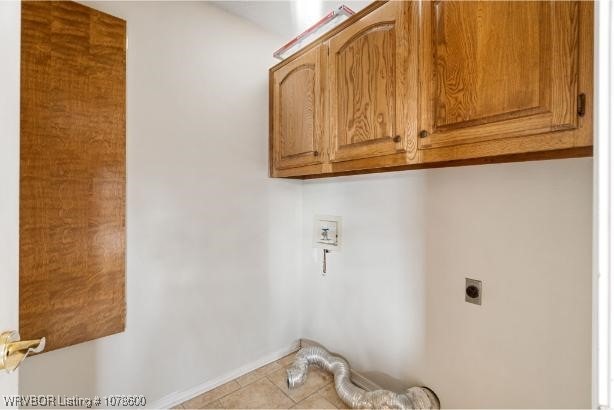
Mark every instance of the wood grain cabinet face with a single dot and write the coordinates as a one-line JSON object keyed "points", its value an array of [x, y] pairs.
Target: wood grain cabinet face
{"points": [[297, 112], [408, 84], [72, 230], [372, 73], [492, 70]]}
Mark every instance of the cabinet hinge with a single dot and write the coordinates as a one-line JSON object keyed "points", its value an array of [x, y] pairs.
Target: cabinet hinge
{"points": [[581, 105]]}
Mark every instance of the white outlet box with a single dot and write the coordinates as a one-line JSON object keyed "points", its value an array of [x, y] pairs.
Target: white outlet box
{"points": [[327, 232]]}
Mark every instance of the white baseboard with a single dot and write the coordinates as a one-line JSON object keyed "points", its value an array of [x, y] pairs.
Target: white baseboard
{"points": [[363, 382], [179, 397]]}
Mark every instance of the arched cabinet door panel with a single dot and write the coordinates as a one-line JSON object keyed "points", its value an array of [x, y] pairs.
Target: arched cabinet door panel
{"points": [[297, 112], [373, 83], [495, 70]]}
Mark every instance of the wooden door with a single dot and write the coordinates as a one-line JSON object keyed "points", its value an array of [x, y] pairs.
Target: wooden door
{"points": [[72, 245], [373, 79], [498, 69], [298, 104]]}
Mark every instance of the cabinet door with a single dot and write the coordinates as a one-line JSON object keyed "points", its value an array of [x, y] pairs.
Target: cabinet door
{"points": [[373, 82], [297, 111], [497, 69]]}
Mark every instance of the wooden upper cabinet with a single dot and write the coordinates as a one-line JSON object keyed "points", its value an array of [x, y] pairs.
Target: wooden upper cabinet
{"points": [[494, 70], [298, 123], [411, 84], [373, 81]]}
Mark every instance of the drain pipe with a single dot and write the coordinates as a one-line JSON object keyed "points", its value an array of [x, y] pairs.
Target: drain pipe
{"points": [[352, 395]]}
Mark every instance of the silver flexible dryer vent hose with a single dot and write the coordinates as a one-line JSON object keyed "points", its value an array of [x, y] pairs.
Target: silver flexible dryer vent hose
{"points": [[352, 395]]}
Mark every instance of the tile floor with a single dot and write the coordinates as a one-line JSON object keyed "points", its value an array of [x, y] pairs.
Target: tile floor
{"points": [[265, 388]]}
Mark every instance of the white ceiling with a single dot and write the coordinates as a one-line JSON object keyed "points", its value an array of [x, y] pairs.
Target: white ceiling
{"points": [[280, 17]]}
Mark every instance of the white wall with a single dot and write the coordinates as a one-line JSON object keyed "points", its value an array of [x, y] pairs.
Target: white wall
{"points": [[603, 266], [220, 262], [10, 21], [213, 243], [393, 300]]}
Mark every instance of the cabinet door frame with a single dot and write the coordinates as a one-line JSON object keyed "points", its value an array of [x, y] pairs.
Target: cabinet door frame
{"points": [[314, 59], [557, 109], [404, 17]]}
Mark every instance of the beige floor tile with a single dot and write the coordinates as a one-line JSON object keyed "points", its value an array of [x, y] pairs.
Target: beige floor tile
{"points": [[314, 402], [213, 405], [330, 394], [177, 407], [287, 360], [261, 394], [216, 404], [316, 379], [204, 399], [257, 374]]}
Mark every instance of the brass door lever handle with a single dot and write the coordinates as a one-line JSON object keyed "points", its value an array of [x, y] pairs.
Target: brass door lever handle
{"points": [[13, 351]]}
